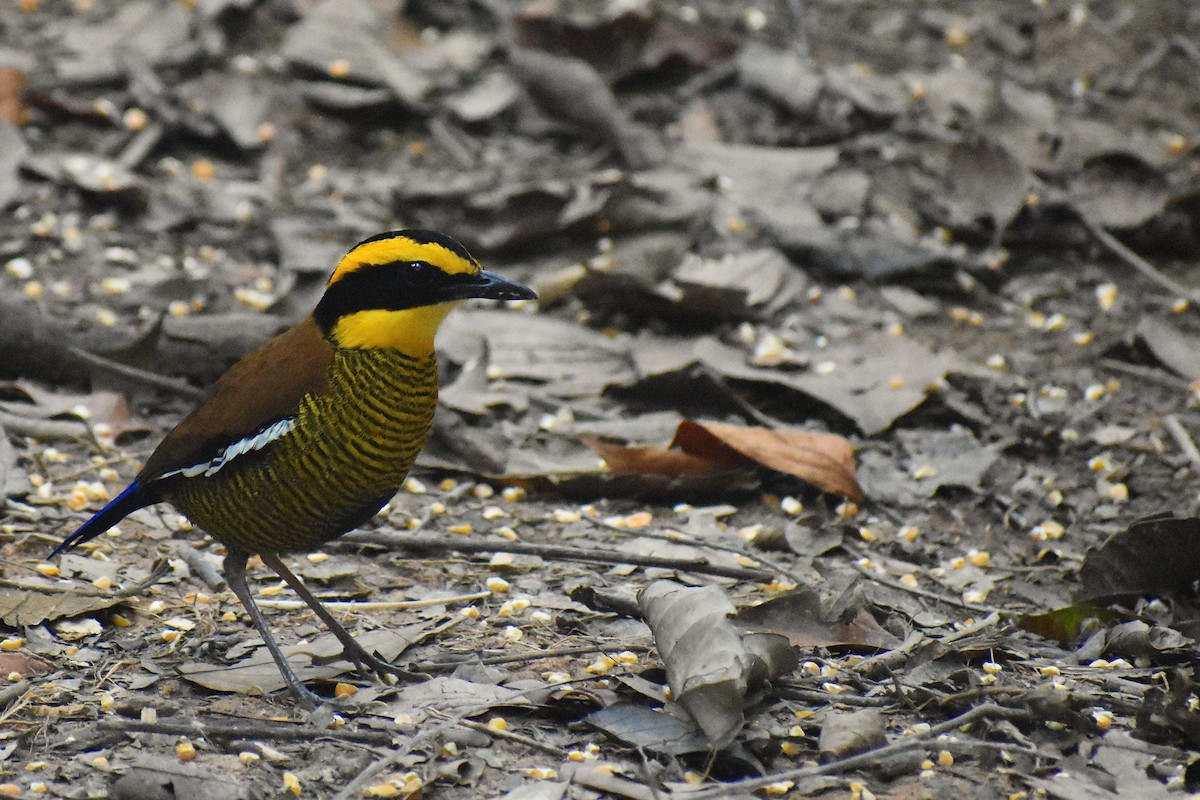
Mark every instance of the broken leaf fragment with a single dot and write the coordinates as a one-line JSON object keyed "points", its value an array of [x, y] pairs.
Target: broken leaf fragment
{"points": [[824, 460]]}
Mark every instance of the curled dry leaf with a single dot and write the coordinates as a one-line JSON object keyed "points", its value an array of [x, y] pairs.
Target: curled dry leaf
{"points": [[824, 460], [707, 664]]}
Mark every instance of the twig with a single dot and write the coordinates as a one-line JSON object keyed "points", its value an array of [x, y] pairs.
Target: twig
{"points": [[377, 605], [870, 757], [200, 566], [535, 655], [425, 544], [1146, 373], [1141, 265], [789, 692], [248, 729], [519, 738], [676, 537], [1183, 439], [173, 385], [46, 429]]}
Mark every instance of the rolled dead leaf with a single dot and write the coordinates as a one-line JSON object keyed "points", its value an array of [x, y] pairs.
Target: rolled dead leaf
{"points": [[707, 664]]}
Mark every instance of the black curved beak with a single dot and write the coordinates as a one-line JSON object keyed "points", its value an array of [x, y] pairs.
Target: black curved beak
{"points": [[492, 286]]}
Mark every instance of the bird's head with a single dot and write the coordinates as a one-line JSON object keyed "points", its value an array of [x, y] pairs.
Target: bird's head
{"points": [[394, 289]]}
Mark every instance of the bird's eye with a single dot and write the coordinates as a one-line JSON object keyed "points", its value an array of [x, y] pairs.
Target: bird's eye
{"points": [[420, 272]]}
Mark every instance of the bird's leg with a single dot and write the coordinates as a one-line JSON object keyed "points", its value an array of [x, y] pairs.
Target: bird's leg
{"points": [[351, 649], [235, 576]]}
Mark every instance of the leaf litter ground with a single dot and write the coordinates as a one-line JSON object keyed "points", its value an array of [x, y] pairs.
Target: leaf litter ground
{"points": [[958, 244]]}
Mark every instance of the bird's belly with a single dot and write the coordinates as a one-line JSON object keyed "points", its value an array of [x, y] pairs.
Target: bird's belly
{"points": [[346, 456]]}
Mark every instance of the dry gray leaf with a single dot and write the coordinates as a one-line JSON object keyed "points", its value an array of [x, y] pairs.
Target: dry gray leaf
{"points": [[162, 778], [26, 605], [654, 731], [258, 673], [986, 181], [333, 29], [707, 664], [846, 733], [1119, 190], [445, 696]]}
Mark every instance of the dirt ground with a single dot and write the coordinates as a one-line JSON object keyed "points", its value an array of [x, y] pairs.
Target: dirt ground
{"points": [[849, 451]]}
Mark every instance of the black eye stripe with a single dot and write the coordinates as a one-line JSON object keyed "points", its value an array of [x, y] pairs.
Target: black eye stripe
{"points": [[393, 286]]}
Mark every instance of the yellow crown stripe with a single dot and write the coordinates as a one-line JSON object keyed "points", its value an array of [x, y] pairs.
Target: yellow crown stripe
{"points": [[401, 248]]}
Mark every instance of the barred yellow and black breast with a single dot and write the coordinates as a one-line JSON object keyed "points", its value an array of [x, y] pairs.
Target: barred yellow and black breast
{"points": [[326, 470]]}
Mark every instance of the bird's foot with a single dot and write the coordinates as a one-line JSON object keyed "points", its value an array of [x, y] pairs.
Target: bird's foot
{"points": [[369, 664]]}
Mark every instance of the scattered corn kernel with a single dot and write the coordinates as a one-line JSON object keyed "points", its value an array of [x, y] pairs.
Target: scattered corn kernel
{"points": [[566, 515], [497, 584], [945, 758], [185, 751], [12, 643], [1050, 530], [556, 677], [979, 558], [414, 486], [343, 691], [790, 505], [1106, 296], [908, 579], [778, 787], [291, 783], [497, 724], [512, 634], [1103, 718], [513, 494], [463, 530], [249, 757], [847, 509], [601, 666]]}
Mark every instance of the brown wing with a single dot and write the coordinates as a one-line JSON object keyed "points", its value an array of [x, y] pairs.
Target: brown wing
{"points": [[264, 387]]}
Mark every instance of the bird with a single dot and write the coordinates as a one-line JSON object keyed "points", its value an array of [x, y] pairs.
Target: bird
{"points": [[312, 433]]}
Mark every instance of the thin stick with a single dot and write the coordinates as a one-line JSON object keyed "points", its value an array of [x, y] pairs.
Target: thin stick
{"points": [[870, 757], [173, 385], [248, 729], [1142, 265], [1183, 440], [375, 605], [424, 544]]}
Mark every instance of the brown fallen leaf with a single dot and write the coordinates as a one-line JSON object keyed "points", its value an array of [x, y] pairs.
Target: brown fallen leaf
{"points": [[652, 460], [12, 107], [824, 460]]}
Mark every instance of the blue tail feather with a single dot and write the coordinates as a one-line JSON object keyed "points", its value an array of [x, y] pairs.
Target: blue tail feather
{"points": [[134, 497]]}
